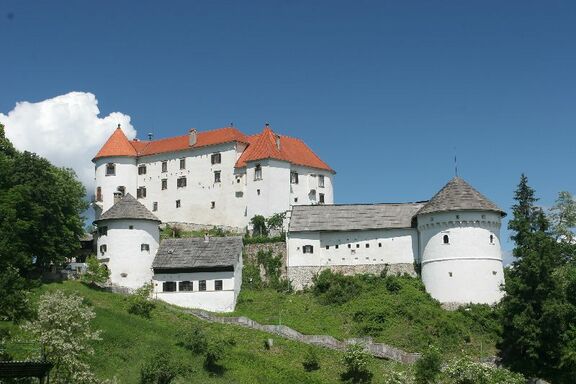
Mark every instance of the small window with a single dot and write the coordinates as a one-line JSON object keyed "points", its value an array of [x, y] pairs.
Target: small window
{"points": [[327, 247], [182, 163], [177, 203], [155, 206], [145, 247], [491, 239], [357, 245], [258, 172], [169, 286], [164, 166], [379, 245], [494, 273], [216, 176], [103, 249], [181, 182], [294, 177], [130, 227], [216, 158], [141, 192], [445, 239], [110, 169], [122, 190], [450, 274], [321, 198], [483, 216], [217, 285], [457, 217], [212, 204], [336, 246], [238, 180], [258, 192], [349, 245], [202, 285], [103, 231], [99, 194], [320, 181], [308, 249], [185, 286], [367, 245], [295, 199], [164, 184], [141, 169]]}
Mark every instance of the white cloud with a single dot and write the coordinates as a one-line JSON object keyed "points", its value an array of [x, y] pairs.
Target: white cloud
{"points": [[66, 130]]}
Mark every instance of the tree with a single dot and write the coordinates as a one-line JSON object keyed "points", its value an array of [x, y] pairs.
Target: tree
{"points": [[96, 271], [259, 225], [63, 329], [159, 369], [563, 217], [356, 362], [140, 303], [429, 366], [276, 221]]}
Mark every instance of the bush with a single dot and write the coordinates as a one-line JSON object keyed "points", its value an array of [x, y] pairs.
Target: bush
{"points": [[139, 302], [334, 288], [311, 361], [466, 371], [160, 369], [193, 338], [216, 351], [96, 271], [251, 276], [259, 226], [356, 362], [429, 366]]}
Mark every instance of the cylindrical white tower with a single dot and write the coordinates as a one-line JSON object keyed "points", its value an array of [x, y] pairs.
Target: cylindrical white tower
{"points": [[128, 239], [460, 254]]}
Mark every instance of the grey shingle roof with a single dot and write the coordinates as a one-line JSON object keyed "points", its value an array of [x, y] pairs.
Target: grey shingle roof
{"points": [[128, 208], [196, 253], [459, 195], [352, 217]]}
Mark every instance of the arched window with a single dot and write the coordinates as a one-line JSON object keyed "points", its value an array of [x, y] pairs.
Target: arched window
{"points": [[445, 239], [308, 249], [491, 239]]}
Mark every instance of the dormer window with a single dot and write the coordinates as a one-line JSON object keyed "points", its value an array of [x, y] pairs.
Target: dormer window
{"points": [[110, 169], [216, 158], [258, 172], [294, 177]]}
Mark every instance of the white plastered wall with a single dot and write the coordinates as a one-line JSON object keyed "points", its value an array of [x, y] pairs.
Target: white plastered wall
{"points": [[308, 180], [125, 175]]}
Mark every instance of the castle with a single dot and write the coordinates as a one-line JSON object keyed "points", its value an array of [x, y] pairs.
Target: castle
{"points": [[223, 178]]}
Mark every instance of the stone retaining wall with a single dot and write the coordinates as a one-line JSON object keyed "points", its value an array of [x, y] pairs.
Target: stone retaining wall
{"points": [[251, 250]]}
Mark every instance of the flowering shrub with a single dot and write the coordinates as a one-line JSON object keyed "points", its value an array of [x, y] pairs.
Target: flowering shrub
{"points": [[466, 371]]}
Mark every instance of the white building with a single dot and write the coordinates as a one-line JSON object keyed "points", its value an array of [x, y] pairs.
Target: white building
{"points": [[220, 177], [128, 238], [454, 238], [199, 273]]}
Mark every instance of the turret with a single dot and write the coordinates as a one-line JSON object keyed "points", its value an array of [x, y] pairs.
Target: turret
{"points": [[460, 252]]}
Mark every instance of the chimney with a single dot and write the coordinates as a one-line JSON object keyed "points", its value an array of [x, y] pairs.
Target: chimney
{"points": [[278, 142], [150, 136], [192, 137], [117, 197]]}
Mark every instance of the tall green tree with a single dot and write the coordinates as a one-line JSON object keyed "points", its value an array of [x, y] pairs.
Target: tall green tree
{"points": [[563, 217], [536, 315]]}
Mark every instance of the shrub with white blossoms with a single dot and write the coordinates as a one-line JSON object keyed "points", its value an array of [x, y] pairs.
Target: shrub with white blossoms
{"points": [[63, 329], [466, 371], [394, 377]]}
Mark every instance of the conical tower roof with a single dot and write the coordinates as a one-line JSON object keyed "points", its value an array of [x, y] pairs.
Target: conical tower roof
{"points": [[128, 208], [117, 145], [458, 195]]}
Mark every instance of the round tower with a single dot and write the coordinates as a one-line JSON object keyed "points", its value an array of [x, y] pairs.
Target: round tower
{"points": [[460, 255], [116, 171], [128, 239]]}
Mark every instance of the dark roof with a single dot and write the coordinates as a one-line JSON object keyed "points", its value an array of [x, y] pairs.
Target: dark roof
{"points": [[352, 217], [458, 195], [197, 253], [128, 208]]}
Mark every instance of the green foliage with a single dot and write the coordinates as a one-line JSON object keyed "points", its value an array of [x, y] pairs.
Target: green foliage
{"points": [[272, 267], [428, 367], [251, 278], [563, 217], [193, 338], [140, 303], [264, 239], [159, 369], [176, 231], [356, 362], [276, 221], [14, 304], [259, 226], [216, 351], [311, 361], [466, 371], [63, 328], [96, 271], [334, 288]]}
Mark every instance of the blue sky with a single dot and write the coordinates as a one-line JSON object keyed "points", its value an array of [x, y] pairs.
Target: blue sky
{"points": [[386, 92]]}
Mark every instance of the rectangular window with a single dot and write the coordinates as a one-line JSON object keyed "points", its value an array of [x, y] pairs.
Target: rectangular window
{"points": [[141, 193], [103, 249], [141, 169], [217, 285], [99, 194], [202, 285], [155, 206], [164, 184], [308, 249], [177, 203], [216, 158], [181, 182], [164, 166], [321, 198], [182, 163], [258, 172], [294, 177], [212, 204], [216, 176], [103, 231], [110, 169], [320, 181], [185, 286], [169, 286], [145, 247]]}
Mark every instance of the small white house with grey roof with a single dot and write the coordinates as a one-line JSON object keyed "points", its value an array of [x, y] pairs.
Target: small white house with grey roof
{"points": [[454, 238], [199, 273]]}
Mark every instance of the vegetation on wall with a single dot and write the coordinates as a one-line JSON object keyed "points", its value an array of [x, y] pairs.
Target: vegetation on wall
{"points": [[265, 271]]}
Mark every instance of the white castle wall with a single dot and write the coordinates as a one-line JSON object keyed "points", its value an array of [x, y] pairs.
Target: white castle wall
{"points": [[468, 268], [124, 255], [125, 175]]}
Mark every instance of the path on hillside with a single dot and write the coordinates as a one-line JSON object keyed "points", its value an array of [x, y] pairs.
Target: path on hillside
{"points": [[379, 350]]}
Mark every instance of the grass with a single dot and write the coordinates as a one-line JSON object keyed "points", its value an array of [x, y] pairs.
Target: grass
{"points": [[392, 310], [129, 340]]}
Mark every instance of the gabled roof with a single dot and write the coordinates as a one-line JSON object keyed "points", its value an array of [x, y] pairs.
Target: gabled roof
{"points": [[352, 217], [128, 208], [292, 150], [116, 145], [190, 253], [458, 195]]}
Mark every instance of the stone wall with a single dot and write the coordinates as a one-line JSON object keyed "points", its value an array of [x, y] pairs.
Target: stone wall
{"points": [[251, 250], [302, 276]]}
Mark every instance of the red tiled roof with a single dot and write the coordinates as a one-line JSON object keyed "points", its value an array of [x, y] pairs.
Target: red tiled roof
{"points": [[117, 145], [295, 151]]}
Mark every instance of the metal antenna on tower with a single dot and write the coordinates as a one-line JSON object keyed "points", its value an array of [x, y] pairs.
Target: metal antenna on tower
{"points": [[455, 163]]}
